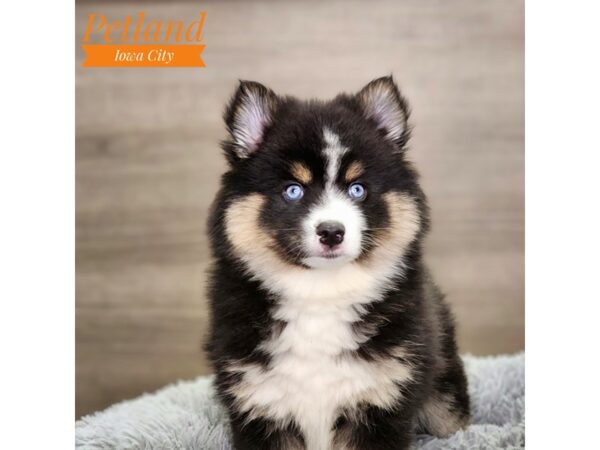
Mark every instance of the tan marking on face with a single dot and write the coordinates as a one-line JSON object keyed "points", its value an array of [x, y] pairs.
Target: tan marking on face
{"points": [[249, 240], [241, 223], [405, 223], [301, 173], [354, 170]]}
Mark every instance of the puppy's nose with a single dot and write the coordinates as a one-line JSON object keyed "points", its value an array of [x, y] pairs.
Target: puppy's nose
{"points": [[331, 233]]}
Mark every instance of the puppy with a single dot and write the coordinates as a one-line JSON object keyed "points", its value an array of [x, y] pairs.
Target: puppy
{"points": [[327, 330]]}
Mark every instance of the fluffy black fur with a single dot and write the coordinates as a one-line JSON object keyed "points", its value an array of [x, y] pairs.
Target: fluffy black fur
{"points": [[411, 312]]}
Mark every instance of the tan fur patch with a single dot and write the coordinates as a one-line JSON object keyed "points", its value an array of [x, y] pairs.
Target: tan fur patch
{"points": [[241, 223], [405, 223], [354, 170], [301, 173], [437, 417], [251, 242]]}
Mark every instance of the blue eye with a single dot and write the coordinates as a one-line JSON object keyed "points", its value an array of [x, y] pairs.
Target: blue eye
{"points": [[293, 192], [357, 191]]}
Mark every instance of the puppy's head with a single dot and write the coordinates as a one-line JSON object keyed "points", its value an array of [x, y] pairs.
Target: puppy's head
{"points": [[319, 185]]}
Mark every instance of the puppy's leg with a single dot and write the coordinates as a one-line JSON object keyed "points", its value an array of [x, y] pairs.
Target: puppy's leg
{"points": [[447, 409], [261, 434], [376, 429]]}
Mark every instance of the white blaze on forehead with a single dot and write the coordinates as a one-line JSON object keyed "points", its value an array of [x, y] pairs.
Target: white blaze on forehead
{"points": [[333, 205], [333, 151]]}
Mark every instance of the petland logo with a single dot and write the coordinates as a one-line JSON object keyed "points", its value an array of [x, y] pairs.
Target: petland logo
{"points": [[135, 42]]}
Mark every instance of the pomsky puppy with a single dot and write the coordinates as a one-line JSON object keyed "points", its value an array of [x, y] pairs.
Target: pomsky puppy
{"points": [[327, 330]]}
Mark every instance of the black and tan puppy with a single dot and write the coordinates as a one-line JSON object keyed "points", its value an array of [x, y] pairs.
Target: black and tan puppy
{"points": [[327, 330]]}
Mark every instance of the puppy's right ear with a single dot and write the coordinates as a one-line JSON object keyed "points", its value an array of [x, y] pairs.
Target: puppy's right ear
{"points": [[249, 114]]}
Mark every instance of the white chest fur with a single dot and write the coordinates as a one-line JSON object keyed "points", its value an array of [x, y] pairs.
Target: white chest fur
{"points": [[312, 376]]}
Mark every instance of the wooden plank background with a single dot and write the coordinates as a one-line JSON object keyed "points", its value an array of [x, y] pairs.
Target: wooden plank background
{"points": [[148, 163]]}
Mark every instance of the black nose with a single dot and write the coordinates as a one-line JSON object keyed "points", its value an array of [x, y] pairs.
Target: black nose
{"points": [[331, 233]]}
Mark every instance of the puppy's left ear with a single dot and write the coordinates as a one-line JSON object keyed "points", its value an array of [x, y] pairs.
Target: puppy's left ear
{"points": [[249, 114], [382, 103]]}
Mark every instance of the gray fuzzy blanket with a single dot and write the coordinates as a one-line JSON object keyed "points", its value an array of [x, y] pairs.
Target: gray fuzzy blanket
{"points": [[186, 415]]}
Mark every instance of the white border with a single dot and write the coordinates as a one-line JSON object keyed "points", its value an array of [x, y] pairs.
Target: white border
{"points": [[37, 225], [37, 231], [563, 225]]}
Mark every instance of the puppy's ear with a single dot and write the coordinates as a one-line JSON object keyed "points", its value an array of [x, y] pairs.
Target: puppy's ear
{"points": [[382, 103], [248, 115]]}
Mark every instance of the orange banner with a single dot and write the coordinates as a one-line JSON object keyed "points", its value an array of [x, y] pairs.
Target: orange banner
{"points": [[99, 55]]}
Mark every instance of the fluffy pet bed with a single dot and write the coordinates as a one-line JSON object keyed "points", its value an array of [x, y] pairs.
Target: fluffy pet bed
{"points": [[186, 415]]}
